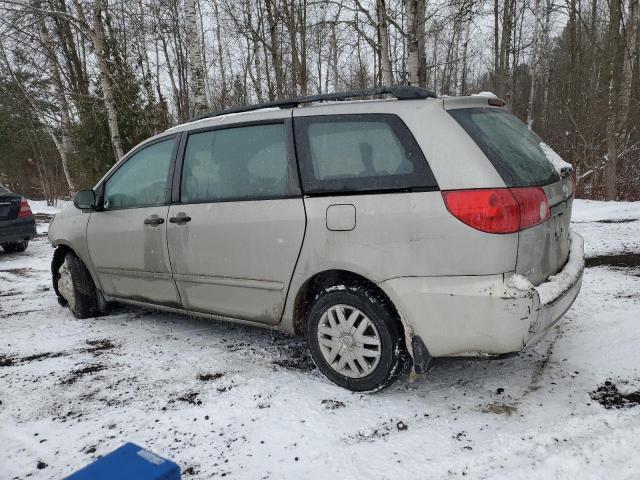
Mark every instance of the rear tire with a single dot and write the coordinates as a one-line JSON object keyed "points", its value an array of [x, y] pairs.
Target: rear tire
{"points": [[76, 288], [355, 338], [14, 247]]}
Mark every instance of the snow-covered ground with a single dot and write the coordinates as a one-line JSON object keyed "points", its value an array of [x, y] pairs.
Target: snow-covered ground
{"points": [[241, 402]]}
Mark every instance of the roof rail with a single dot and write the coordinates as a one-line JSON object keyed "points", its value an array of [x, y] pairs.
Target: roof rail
{"points": [[401, 92]]}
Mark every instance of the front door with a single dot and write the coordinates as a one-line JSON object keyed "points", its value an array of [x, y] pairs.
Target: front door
{"points": [[235, 233], [128, 239]]}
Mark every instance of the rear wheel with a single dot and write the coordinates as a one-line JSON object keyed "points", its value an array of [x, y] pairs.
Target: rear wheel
{"points": [[76, 288], [355, 339], [12, 247]]}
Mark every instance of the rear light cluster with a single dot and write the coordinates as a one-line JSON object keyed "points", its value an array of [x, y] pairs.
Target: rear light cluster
{"points": [[498, 210], [25, 210]]}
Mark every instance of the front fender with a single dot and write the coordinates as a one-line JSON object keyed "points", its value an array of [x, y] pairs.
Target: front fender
{"points": [[68, 229]]}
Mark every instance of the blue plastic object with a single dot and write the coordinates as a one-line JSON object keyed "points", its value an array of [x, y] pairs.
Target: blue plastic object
{"points": [[129, 462]]}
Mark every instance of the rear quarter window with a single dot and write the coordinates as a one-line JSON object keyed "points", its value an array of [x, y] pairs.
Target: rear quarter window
{"points": [[510, 146], [359, 153]]}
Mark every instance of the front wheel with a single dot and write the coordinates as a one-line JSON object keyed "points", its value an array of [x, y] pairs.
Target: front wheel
{"points": [[75, 287], [355, 339]]}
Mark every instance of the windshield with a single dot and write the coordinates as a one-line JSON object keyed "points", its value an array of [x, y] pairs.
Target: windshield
{"points": [[512, 148]]}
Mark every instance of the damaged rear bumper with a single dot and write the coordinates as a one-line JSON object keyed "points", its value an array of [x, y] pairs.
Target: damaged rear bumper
{"points": [[487, 314]]}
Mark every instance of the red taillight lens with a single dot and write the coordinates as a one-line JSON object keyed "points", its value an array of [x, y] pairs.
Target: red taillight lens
{"points": [[534, 207], [498, 210], [25, 210]]}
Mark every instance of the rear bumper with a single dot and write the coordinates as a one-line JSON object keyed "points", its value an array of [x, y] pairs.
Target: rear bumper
{"points": [[17, 229], [487, 314]]}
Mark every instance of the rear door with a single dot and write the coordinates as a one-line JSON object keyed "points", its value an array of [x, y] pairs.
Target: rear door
{"points": [[523, 160], [128, 240], [237, 223]]}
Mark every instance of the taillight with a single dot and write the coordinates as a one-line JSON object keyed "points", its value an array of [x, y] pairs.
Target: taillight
{"points": [[25, 210], [534, 207], [498, 210]]}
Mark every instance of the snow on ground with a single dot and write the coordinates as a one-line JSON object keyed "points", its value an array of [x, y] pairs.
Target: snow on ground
{"points": [[608, 227], [242, 402]]}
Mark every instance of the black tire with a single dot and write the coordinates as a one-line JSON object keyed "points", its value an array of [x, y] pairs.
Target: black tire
{"points": [[86, 299], [393, 355], [13, 247]]}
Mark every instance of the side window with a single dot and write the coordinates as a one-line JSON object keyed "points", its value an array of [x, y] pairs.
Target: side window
{"points": [[142, 180], [343, 153], [235, 163]]}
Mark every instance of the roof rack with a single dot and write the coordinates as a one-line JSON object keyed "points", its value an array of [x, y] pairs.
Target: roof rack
{"points": [[401, 92]]}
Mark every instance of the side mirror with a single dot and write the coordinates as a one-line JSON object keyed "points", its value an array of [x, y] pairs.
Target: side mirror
{"points": [[85, 200]]}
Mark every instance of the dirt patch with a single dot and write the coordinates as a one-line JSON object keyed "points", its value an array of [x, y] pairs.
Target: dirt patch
{"points": [[21, 312], [99, 345], [296, 358], [500, 409], [622, 260], [81, 372], [329, 404], [9, 293], [95, 346], [381, 431], [206, 377], [20, 272], [191, 398], [609, 396], [41, 356], [6, 361], [190, 471], [619, 220]]}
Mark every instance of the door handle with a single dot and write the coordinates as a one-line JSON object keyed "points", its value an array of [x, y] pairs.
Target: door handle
{"points": [[180, 218], [153, 220]]}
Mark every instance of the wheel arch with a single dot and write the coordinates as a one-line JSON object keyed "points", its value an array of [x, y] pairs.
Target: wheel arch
{"points": [[326, 278], [61, 249]]}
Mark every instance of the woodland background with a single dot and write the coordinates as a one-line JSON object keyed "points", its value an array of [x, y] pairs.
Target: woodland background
{"points": [[83, 81]]}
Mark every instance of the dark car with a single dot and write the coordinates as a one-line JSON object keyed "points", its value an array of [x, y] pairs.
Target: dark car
{"points": [[17, 225]]}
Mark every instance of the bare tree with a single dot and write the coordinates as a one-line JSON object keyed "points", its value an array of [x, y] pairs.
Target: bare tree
{"points": [[196, 60], [621, 66]]}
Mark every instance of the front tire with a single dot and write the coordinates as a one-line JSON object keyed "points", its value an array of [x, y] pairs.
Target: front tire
{"points": [[75, 287], [355, 338]]}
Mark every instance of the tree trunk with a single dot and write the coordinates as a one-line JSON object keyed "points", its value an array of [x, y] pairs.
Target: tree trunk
{"points": [[621, 65], [96, 33], [383, 39], [196, 63], [274, 50], [223, 73], [415, 40], [64, 146], [533, 69]]}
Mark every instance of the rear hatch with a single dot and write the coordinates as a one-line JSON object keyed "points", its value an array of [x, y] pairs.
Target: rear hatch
{"points": [[523, 160], [9, 204]]}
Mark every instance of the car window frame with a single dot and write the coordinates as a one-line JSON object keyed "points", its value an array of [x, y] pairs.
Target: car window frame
{"points": [[100, 190], [400, 129], [293, 180]]}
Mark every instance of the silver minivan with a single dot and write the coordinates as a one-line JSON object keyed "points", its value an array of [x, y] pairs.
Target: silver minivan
{"points": [[386, 231]]}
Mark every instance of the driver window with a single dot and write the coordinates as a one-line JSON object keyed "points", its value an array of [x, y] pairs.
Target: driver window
{"points": [[235, 164], [142, 180]]}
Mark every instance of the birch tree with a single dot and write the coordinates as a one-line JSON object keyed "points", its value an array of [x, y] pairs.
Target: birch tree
{"points": [[196, 60]]}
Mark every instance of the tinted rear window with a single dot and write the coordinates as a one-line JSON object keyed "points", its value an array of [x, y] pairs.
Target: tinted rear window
{"points": [[359, 153], [3, 190], [512, 148]]}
